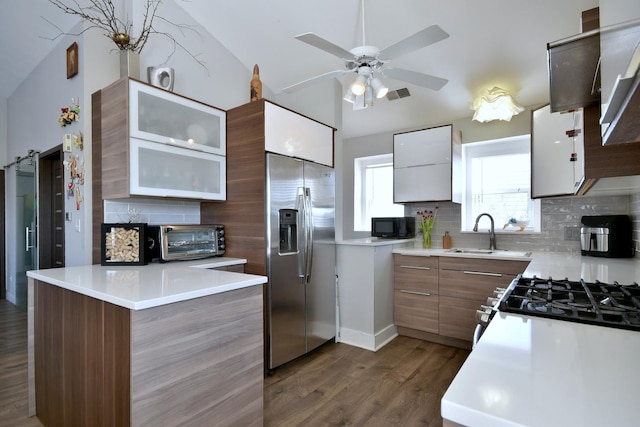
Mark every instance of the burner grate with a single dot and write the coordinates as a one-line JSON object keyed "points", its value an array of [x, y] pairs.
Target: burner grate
{"points": [[579, 301]]}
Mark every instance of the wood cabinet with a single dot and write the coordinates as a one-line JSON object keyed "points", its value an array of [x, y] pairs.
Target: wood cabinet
{"points": [[194, 362], [416, 292], [465, 284], [153, 143], [557, 152], [436, 298], [427, 165]]}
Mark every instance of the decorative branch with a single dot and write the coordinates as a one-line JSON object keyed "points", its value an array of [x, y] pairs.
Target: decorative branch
{"points": [[101, 14]]}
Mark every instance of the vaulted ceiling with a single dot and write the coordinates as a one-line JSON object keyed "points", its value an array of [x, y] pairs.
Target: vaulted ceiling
{"points": [[492, 42]]}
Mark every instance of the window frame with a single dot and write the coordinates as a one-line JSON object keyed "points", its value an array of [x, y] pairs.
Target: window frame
{"points": [[503, 146], [360, 207]]}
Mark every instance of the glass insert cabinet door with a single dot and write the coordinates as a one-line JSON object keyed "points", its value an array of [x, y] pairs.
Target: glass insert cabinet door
{"points": [[166, 171], [161, 116]]}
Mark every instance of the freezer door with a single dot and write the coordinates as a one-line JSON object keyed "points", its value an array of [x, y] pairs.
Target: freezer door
{"points": [[286, 293], [319, 181]]}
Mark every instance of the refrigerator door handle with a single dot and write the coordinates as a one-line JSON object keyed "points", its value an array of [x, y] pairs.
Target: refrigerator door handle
{"points": [[309, 235], [302, 220]]}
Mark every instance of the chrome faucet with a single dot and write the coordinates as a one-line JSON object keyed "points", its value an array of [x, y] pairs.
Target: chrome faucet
{"points": [[492, 232]]}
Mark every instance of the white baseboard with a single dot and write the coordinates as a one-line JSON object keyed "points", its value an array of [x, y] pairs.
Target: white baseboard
{"points": [[368, 341]]}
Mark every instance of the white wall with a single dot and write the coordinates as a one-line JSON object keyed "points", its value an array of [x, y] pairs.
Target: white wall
{"points": [[382, 143], [3, 132]]}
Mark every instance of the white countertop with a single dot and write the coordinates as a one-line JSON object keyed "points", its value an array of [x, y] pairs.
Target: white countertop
{"points": [[531, 371], [528, 371], [145, 286], [554, 264]]}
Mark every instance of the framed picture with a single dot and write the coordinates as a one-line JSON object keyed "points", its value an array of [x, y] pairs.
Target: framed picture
{"points": [[72, 60]]}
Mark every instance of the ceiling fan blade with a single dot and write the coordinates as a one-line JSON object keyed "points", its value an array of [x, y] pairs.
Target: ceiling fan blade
{"points": [[420, 79], [317, 41], [313, 80], [429, 35]]}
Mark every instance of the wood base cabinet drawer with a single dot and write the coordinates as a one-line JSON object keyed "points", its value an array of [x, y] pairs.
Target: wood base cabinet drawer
{"points": [[457, 317], [472, 284], [416, 311], [415, 273]]}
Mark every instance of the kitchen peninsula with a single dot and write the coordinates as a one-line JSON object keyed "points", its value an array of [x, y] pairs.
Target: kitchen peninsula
{"points": [[162, 344]]}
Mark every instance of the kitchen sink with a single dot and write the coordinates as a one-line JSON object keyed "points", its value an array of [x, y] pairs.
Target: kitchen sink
{"points": [[493, 252], [472, 251]]}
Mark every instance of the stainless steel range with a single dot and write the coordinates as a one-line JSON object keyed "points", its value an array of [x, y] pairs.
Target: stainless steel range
{"points": [[595, 303]]}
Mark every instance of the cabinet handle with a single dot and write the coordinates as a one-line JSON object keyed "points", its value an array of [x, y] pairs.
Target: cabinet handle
{"points": [[426, 294], [415, 267], [482, 273]]}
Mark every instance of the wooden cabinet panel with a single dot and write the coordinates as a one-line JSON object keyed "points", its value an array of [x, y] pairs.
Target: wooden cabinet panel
{"points": [[457, 317], [81, 375], [484, 265], [416, 273], [416, 311], [472, 284]]}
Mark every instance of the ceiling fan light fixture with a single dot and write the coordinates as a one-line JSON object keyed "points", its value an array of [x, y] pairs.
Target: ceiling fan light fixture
{"points": [[359, 86], [349, 96], [378, 88], [495, 104], [368, 96]]}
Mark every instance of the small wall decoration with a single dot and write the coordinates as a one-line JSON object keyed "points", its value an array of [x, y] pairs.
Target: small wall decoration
{"points": [[70, 114], [72, 60]]}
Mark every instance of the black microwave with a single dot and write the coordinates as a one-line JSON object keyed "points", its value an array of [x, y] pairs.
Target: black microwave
{"points": [[394, 227]]}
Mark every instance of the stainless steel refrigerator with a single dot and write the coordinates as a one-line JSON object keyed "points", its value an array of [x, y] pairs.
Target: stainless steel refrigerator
{"points": [[301, 292]]}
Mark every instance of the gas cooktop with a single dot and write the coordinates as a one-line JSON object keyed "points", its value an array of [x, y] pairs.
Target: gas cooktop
{"points": [[595, 303]]}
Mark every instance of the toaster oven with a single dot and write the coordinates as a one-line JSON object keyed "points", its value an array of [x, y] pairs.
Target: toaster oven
{"points": [[184, 242]]}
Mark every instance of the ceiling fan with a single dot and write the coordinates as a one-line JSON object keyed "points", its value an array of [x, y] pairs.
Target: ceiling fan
{"points": [[366, 60]]}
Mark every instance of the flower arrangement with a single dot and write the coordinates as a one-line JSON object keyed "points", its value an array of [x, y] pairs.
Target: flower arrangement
{"points": [[426, 222]]}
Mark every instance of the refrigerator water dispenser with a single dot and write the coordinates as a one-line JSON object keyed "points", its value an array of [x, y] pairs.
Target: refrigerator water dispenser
{"points": [[288, 220]]}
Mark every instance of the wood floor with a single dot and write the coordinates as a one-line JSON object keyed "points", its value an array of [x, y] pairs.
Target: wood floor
{"points": [[336, 385]]}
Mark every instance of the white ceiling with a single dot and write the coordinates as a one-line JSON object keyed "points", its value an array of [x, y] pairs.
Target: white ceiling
{"points": [[492, 42]]}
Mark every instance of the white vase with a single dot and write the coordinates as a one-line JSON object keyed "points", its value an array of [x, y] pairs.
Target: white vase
{"points": [[129, 64]]}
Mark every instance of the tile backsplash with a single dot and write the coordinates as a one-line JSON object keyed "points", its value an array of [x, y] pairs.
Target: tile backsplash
{"points": [[152, 211], [557, 213]]}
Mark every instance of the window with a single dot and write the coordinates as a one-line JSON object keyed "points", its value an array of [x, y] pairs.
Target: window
{"points": [[498, 182], [373, 190]]}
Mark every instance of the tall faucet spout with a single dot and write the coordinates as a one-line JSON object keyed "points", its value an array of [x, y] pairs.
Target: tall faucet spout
{"points": [[492, 232]]}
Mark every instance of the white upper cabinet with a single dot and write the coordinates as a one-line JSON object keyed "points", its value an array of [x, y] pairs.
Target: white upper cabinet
{"points": [[557, 152], [161, 116], [427, 165], [166, 171], [291, 134]]}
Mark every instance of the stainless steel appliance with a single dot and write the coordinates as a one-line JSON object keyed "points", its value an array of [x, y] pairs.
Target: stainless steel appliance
{"points": [[301, 292], [184, 242], [606, 236], [596, 303], [393, 227]]}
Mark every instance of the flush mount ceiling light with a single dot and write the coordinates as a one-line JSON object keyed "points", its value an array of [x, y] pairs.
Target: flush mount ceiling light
{"points": [[495, 104]]}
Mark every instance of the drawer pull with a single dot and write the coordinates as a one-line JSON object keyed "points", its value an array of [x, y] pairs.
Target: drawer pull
{"points": [[426, 294], [415, 267], [482, 273]]}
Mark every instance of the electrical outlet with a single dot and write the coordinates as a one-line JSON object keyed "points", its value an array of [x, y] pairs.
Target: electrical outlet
{"points": [[572, 233]]}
